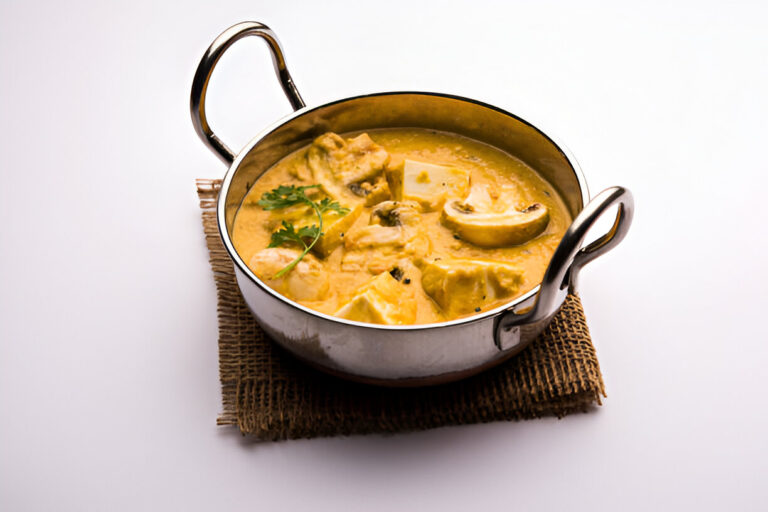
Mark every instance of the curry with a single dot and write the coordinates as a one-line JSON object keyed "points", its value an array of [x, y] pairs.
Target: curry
{"points": [[400, 226]]}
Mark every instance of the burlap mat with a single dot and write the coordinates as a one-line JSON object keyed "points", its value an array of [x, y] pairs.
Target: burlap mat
{"points": [[271, 395]]}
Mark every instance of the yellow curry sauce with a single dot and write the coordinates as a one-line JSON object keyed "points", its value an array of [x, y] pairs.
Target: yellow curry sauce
{"points": [[436, 226]]}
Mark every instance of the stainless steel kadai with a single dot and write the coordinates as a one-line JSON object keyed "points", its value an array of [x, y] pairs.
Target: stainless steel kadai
{"points": [[415, 354]]}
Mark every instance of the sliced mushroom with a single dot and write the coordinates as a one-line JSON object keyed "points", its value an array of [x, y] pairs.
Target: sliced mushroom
{"points": [[396, 213], [478, 220], [393, 230], [391, 223]]}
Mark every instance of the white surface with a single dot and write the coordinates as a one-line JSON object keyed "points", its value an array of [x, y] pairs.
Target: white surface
{"points": [[108, 366]]}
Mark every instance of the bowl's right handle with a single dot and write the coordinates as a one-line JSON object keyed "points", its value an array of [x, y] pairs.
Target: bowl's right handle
{"points": [[205, 70], [570, 257]]}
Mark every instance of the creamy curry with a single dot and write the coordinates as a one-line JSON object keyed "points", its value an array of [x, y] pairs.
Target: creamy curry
{"points": [[400, 226]]}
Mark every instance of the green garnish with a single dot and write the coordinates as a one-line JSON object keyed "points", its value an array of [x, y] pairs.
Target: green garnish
{"points": [[288, 234], [285, 196]]}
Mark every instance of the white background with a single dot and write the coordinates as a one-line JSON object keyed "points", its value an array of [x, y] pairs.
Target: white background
{"points": [[108, 360]]}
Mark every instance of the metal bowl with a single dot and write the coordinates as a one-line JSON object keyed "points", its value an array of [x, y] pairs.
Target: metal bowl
{"points": [[409, 355]]}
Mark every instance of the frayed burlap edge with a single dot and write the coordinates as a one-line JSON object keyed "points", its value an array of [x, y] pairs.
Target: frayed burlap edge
{"points": [[267, 393]]}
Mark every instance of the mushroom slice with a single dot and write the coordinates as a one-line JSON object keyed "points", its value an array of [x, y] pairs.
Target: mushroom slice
{"points": [[393, 233], [341, 165], [382, 300], [462, 286], [493, 228], [307, 281], [392, 223], [396, 213]]}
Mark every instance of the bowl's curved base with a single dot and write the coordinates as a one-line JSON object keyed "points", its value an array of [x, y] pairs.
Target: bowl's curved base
{"points": [[411, 382]]}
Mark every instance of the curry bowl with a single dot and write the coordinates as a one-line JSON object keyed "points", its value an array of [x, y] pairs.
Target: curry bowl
{"points": [[404, 355]]}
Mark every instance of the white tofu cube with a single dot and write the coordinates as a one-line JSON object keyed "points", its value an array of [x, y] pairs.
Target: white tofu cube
{"points": [[431, 185], [383, 300]]}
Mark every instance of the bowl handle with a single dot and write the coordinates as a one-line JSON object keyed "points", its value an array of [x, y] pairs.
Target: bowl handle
{"points": [[206, 67], [569, 258]]}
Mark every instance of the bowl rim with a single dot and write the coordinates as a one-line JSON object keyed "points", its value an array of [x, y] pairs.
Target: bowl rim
{"points": [[240, 264]]}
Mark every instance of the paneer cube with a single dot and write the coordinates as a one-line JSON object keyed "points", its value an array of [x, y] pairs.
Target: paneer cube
{"points": [[461, 286], [334, 227], [382, 300], [428, 184]]}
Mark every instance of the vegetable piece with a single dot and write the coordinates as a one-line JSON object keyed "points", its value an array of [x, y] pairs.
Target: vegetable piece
{"points": [[428, 184], [393, 231], [393, 171], [392, 223], [334, 227], [306, 237], [342, 165], [495, 229], [459, 286], [308, 281], [382, 300], [377, 192]]}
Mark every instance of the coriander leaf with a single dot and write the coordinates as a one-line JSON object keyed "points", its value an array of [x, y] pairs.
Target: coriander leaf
{"points": [[309, 231], [287, 235], [326, 205], [285, 196]]}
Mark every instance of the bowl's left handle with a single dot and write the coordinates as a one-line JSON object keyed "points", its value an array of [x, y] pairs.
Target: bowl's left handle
{"points": [[205, 70]]}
